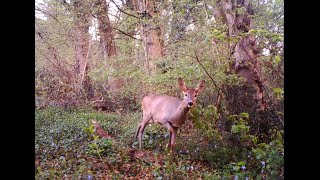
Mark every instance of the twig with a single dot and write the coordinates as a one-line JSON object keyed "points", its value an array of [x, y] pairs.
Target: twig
{"points": [[245, 50], [47, 13], [114, 27], [98, 48], [220, 95], [54, 65], [57, 66], [124, 11], [126, 33], [215, 84]]}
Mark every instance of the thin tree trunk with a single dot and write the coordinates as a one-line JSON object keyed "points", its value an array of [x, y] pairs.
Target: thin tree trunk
{"points": [[105, 29]]}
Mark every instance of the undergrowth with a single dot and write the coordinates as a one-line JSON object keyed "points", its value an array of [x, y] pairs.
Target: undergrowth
{"points": [[68, 148]]}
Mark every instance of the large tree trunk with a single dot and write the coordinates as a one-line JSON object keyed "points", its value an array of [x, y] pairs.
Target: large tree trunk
{"points": [[82, 23], [150, 33], [105, 29], [236, 14]]}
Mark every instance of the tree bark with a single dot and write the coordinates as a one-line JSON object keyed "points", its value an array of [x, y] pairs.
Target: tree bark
{"points": [[82, 23], [236, 14], [151, 34], [105, 29]]}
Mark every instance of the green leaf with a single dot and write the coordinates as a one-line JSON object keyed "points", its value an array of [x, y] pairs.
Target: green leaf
{"points": [[254, 139], [241, 163], [277, 59], [95, 137], [236, 168], [244, 115], [262, 145], [278, 92], [274, 173], [259, 156], [276, 37], [232, 118], [235, 128]]}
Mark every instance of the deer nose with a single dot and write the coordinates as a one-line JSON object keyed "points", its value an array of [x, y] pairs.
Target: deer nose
{"points": [[190, 103]]}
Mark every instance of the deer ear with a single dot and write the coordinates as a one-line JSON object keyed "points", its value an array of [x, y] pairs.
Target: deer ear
{"points": [[182, 84], [200, 86]]}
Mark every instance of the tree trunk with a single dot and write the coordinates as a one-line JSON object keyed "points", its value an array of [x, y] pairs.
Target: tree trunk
{"points": [[82, 20], [236, 14], [105, 29], [150, 33]]}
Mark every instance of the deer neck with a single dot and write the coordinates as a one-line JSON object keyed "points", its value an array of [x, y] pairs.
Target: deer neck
{"points": [[183, 109], [180, 115]]}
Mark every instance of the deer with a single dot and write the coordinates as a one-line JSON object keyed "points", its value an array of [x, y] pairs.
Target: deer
{"points": [[168, 111]]}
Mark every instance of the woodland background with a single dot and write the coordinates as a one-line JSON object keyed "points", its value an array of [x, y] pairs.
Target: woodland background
{"points": [[96, 60]]}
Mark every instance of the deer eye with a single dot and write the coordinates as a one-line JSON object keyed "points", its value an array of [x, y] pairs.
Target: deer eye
{"points": [[185, 94], [195, 95]]}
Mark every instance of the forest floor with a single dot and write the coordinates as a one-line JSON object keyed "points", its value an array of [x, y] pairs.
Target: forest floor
{"points": [[67, 147]]}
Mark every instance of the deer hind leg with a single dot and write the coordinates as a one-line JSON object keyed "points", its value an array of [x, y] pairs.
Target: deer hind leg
{"points": [[169, 144], [137, 132], [142, 125]]}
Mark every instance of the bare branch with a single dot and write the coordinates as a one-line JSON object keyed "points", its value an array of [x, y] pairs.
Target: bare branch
{"points": [[46, 13], [86, 61], [215, 84], [58, 67], [124, 33], [124, 11]]}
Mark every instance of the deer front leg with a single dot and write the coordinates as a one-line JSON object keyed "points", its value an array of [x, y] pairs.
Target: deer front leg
{"points": [[173, 141], [170, 128], [173, 137]]}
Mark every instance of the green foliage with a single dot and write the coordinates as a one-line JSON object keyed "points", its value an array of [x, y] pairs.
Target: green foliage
{"points": [[205, 119], [196, 46], [278, 93], [98, 146], [62, 137], [271, 156], [220, 35], [240, 125], [199, 154], [277, 60]]}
